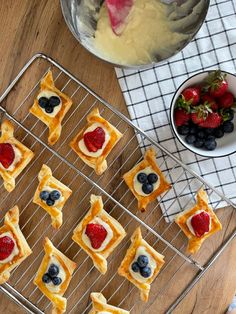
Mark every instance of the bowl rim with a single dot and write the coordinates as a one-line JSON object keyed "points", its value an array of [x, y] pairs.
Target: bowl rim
{"points": [[140, 66], [171, 111]]}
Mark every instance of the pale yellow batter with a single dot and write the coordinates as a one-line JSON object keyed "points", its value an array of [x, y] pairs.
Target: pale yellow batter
{"points": [[148, 33]]}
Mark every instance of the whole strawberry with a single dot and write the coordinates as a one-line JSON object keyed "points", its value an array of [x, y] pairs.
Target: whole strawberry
{"points": [[216, 84], [181, 117], [210, 101], [191, 95], [226, 100], [212, 121]]}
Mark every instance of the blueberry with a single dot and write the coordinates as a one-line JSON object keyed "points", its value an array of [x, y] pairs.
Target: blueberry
{"points": [[183, 129], [209, 131], [50, 202], [193, 129], [56, 281], [55, 195], [135, 267], [201, 134], [219, 132], [54, 101], [46, 278], [228, 127], [43, 102], [190, 139], [142, 261], [152, 178], [44, 195], [145, 272], [211, 137], [142, 177], [199, 143], [49, 109], [210, 143], [229, 114], [147, 188], [53, 270]]}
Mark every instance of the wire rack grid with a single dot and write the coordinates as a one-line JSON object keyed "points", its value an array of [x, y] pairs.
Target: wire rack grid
{"points": [[118, 201]]}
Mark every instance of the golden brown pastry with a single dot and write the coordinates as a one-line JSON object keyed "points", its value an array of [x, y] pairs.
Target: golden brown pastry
{"points": [[54, 275], [95, 141], [100, 305], [98, 234], [141, 264], [146, 181], [50, 106], [51, 195], [198, 222], [13, 246], [14, 156]]}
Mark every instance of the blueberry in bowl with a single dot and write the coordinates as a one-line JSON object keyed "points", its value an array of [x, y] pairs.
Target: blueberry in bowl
{"points": [[203, 115]]}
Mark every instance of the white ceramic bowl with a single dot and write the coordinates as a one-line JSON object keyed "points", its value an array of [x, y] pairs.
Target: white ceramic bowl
{"points": [[225, 145]]}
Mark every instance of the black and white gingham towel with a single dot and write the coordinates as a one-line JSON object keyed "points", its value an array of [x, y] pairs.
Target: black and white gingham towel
{"points": [[148, 95]]}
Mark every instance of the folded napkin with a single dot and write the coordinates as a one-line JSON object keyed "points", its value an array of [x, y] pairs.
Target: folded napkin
{"points": [[148, 94]]}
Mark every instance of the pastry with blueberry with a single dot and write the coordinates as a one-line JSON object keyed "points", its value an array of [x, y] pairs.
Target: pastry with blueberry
{"points": [[14, 248], [14, 156], [51, 106], [95, 141], [100, 305], [51, 195], [146, 181], [54, 276], [198, 223], [141, 264], [98, 234]]}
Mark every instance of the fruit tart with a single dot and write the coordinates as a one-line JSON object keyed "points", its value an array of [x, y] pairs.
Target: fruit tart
{"points": [[14, 156], [141, 264], [13, 246], [51, 195], [198, 222], [98, 234], [95, 141], [50, 106], [146, 181], [54, 275], [100, 305]]}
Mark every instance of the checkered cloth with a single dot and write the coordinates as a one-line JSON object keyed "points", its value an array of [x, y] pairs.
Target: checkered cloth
{"points": [[148, 94]]}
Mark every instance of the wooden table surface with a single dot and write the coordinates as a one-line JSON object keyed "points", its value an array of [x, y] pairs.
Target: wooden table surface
{"points": [[30, 26]]}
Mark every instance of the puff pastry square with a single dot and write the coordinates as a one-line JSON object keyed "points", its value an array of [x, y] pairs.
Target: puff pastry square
{"points": [[182, 219], [66, 268], [140, 247], [96, 160], [53, 121], [48, 183], [21, 249], [115, 233], [100, 305], [149, 162], [23, 156]]}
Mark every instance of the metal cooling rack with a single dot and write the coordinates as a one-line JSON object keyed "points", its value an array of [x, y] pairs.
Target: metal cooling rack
{"points": [[118, 201]]}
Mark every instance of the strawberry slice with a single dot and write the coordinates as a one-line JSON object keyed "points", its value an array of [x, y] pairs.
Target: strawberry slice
{"points": [[94, 140], [201, 223], [97, 234], [118, 11], [6, 247], [7, 154]]}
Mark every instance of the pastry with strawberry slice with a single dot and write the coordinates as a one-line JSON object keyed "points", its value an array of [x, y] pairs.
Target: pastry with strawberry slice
{"points": [[198, 223], [14, 156], [95, 141], [13, 246], [98, 234]]}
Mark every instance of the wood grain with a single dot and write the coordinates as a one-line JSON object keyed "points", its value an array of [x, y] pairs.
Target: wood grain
{"points": [[30, 26]]}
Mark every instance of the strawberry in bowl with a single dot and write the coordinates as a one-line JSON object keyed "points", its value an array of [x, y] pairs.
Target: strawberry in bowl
{"points": [[203, 113]]}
